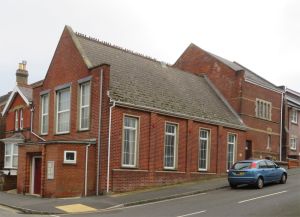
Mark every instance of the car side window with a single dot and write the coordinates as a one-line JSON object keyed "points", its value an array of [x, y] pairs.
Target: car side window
{"points": [[270, 164], [262, 165]]}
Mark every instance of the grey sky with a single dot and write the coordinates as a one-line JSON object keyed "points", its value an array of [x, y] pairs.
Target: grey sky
{"points": [[261, 35]]}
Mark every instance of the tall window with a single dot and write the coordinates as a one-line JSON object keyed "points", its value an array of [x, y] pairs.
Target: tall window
{"points": [[63, 111], [294, 116], [44, 114], [293, 144], [231, 146], [170, 146], [21, 119], [11, 156], [203, 149], [263, 109], [84, 119], [16, 120], [130, 133], [269, 142]]}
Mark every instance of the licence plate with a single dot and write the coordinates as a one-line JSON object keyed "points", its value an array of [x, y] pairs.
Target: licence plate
{"points": [[240, 173]]}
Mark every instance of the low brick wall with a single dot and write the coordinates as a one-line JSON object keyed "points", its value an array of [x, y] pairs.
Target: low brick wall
{"points": [[293, 163], [8, 182]]}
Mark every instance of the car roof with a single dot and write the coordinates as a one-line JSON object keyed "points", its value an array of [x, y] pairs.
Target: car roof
{"points": [[252, 160]]}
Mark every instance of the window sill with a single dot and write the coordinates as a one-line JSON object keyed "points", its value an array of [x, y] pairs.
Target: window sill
{"points": [[295, 123], [63, 133], [129, 167], [69, 163], [83, 130]]}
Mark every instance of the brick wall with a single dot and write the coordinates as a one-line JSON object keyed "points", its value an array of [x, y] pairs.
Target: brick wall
{"points": [[150, 170], [242, 97]]}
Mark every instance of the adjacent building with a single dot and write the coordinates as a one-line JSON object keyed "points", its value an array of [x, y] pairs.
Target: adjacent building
{"points": [[291, 127], [257, 101]]}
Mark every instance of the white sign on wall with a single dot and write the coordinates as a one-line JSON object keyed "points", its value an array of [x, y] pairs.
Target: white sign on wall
{"points": [[50, 170]]}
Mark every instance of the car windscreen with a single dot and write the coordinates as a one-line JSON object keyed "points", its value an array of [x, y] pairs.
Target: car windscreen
{"points": [[241, 165]]}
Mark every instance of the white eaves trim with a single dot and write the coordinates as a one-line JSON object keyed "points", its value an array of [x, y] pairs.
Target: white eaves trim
{"points": [[11, 97]]}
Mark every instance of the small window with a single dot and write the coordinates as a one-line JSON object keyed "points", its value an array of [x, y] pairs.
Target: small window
{"points": [[170, 146], [70, 157], [21, 119], [16, 120], [84, 119], [269, 142], [44, 114], [294, 116], [63, 111], [293, 143]]}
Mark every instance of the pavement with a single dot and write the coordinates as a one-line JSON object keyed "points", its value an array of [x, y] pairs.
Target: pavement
{"points": [[38, 205]]}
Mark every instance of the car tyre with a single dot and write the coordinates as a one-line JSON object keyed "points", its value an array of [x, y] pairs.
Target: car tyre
{"points": [[260, 183], [283, 179], [232, 185]]}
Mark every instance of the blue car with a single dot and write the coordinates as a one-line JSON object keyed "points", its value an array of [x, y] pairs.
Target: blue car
{"points": [[256, 172]]}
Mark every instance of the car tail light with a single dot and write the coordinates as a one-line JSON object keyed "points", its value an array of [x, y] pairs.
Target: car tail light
{"points": [[253, 165]]}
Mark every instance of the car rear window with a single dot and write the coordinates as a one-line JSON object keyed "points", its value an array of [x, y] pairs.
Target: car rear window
{"points": [[241, 165]]}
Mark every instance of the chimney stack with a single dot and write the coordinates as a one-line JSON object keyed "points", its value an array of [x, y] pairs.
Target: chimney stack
{"points": [[22, 74]]}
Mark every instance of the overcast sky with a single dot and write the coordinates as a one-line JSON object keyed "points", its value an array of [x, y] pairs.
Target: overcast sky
{"points": [[263, 35]]}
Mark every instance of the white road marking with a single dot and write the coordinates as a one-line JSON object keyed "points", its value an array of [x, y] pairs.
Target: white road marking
{"points": [[194, 213], [268, 195], [138, 205], [54, 215]]}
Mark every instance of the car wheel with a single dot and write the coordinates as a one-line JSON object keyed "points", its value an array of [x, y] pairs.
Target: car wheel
{"points": [[232, 185], [260, 183], [283, 179]]}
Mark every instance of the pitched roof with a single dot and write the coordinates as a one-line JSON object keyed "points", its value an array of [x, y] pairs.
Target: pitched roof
{"points": [[293, 98], [141, 82], [24, 92], [4, 98], [249, 75]]}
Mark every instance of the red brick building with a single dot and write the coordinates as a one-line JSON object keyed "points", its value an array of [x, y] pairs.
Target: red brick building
{"points": [[108, 119], [257, 101], [291, 127]]}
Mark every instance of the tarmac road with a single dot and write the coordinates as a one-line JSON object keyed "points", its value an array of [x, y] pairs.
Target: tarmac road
{"points": [[274, 200]]}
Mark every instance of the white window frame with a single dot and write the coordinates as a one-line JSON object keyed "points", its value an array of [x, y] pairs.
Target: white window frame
{"points": [[293, 143], [207, 139], [263, 109], [16, 120], [84, 106], [21, 119], [136, 129], [44, 114], [12, 147], [294, 116], [175, 145], [63, 111], [234, 143], [67, 161]]}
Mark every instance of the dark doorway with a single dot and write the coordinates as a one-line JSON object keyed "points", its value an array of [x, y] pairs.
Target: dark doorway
{"points": [[248, 149], [37, 175]]}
